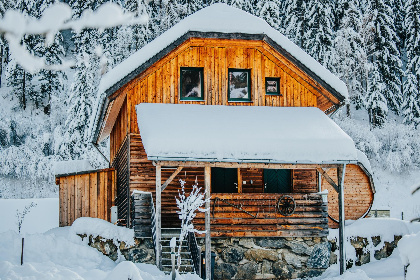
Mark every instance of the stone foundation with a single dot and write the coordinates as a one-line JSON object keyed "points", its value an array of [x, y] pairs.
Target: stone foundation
{"points": [[269, 258], [142, 252]]}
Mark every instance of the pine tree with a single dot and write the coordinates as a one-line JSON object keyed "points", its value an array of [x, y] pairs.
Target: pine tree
{"points": [[384, 52], [375, 101], [411, 104], [295, 23], [270, 12], [351, 63], [319, 35], [51, 82], [82, 92]]}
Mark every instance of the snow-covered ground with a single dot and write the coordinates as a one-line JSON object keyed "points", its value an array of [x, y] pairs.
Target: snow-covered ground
{"points": [[59, 253]]}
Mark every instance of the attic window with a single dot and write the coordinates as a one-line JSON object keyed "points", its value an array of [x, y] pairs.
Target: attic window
{"points": [[191, 84], [239, 85], [272, 86]]}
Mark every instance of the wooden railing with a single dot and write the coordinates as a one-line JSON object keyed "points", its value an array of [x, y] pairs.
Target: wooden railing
{"points": [[122, 199], [253, 215], [195, 252]]}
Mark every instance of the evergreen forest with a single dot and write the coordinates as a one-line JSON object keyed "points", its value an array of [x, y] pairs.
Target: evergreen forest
{"points": [[371, 45]]}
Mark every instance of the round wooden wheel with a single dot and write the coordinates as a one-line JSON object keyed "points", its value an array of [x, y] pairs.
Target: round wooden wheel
{"points": [[286, 205]]}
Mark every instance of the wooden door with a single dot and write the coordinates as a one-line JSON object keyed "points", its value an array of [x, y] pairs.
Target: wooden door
{"points": [[277, 180], [224, 180]]}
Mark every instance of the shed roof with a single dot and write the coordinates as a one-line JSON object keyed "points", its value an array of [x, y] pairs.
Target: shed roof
{"points": [[215, 133], [217, 20]]}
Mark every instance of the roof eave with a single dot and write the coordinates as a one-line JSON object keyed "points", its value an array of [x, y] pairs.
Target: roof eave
{"points": [[198, 34]]}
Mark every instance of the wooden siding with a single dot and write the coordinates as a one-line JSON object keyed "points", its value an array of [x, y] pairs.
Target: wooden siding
{"points": [[263, 219], [305, 181], [86, 195], [119, 131], [160, 82], [358, 194], [143, 175]]}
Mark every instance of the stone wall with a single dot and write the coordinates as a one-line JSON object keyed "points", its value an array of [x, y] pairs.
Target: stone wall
{"points": [[269, 258], [365, 249], [143, 250]]}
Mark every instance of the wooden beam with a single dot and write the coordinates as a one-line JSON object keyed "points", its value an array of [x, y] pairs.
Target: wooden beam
{"points": [[207, 182], [328, 178], [239, 181], [158, 216], [244, 165], [171, 178], [341, 171]]}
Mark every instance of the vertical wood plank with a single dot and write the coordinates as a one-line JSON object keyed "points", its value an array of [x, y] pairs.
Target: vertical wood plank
{"points": [[78, 196], [109, 189], [61, 201], [86, 198], [239, 181], [100, 191], [93, 185], [341, 171], [71, 198], [158, 215], [207, 182]]}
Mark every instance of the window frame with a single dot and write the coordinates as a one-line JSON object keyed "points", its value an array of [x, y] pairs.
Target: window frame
{"points": [[199, 69], [274, 79], [248, 71]]}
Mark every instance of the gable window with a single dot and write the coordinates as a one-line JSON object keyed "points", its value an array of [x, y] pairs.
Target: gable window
{"points": [[272, 86], [239, 86], [191, 83]]}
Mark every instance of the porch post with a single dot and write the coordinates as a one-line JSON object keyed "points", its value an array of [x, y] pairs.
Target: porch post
{"points": [[158, 219], [341, 171], [207, 179]]}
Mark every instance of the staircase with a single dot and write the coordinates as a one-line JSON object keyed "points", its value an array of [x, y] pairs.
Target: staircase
{"points": [[186, 260]]}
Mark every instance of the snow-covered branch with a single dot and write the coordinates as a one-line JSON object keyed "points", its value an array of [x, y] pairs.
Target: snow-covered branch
{"points": [[188, 207], [15, 25]]}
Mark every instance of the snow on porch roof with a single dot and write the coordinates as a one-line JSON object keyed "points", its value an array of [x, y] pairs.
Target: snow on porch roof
{"points": [[186, 132]]}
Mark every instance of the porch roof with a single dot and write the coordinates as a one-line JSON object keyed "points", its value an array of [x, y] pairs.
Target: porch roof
{"points": [[213, 133]]}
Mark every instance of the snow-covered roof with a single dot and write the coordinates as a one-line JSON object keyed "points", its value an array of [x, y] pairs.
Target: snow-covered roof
{"points": [[71, 166], [224, 19], [301, 135], [214, 20]]}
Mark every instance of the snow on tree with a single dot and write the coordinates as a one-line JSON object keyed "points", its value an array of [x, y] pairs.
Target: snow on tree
{"points": [[317, 40], [294, 22], [188, 205], [384, 52], [351, 64], [82, 91], [270, 12], [375, 100], [411, 104]]}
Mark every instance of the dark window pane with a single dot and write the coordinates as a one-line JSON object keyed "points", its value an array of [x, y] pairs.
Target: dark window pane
{"points": [[191, 83]]}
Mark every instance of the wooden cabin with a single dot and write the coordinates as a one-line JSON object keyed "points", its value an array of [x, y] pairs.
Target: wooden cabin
{"points": [[236, 67]]}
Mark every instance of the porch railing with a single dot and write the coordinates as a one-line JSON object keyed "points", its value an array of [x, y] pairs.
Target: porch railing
{"points": [[195, 252], [257, 214]]}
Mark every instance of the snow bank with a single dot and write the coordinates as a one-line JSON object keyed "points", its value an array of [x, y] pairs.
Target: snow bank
{"points": [[98, 227], [409, 247], [42, 217], [123, 271], [384, 227], [60, 254], [242, 133]]}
